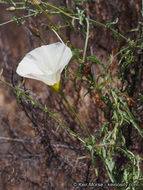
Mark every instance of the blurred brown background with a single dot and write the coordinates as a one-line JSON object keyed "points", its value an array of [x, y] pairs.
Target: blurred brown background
{"points": [[33, 155]]}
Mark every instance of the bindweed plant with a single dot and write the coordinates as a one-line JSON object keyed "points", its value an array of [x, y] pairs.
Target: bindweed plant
{"points": [[116, 89]]}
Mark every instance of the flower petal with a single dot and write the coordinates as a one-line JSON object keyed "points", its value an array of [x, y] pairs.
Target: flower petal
{"points": [[27, 66], [65, 57], [50, 79], [45, 63], [56, 56]]}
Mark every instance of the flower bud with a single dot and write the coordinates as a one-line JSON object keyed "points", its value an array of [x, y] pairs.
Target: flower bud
{"points": [[11, 9]]}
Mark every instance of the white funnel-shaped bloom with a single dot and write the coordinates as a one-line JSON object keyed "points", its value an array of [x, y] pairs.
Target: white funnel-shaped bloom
{"points": [[45, 63]]}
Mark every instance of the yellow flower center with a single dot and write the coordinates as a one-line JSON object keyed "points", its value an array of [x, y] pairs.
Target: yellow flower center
{"points": [[57, 86]]}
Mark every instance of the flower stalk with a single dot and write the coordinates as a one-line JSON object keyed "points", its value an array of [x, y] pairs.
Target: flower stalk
{"points": [[71, 108]]}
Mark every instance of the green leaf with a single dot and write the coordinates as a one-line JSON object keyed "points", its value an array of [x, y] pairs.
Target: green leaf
{"points": [[18, 95], [95, 60], [21, 84], [108, 24], [76, 52], [137, 127], [81, 16], [134, 30], [66, 9]]}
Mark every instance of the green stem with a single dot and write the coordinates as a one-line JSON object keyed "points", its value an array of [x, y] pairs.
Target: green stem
{"points": [[99, 23], [12, 20], [50, 20], [86, 41], [70, 107], [3, 2], [11, 3], [7, 22], [70, 16], [60, 10], [47, 111], [111, 29], [42, 40]]}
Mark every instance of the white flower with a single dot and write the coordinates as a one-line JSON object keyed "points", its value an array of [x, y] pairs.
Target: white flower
{"points": [[45, 63]]}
